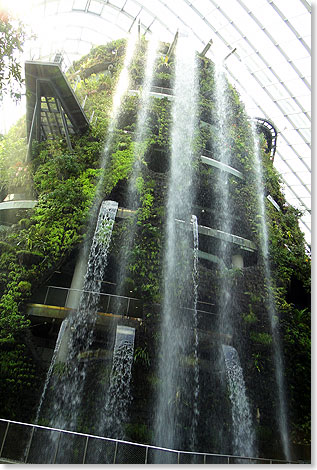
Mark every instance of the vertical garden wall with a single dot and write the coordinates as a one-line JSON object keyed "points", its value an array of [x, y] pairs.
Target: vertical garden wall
{"points": [[38, 244]]}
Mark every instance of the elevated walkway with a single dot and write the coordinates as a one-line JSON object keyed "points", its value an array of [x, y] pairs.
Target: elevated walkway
{"points": [[270, 133], [156, 92], [50, 303], [11, 206], [243, 243], [221, 166], [17, 204], [52, 107]]}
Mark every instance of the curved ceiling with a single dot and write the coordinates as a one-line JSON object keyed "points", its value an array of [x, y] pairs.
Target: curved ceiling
{"points": [[269, 64]]}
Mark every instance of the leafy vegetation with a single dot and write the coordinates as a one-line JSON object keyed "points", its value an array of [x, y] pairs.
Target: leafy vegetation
{"points": [[12, 37], [65, 183]]}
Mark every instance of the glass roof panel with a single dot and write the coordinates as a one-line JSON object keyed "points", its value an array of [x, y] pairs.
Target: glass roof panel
{"points": [[79, 4], [269, 69], [304, 28], [117, 3], [95, 7], [132, 8], [294, 8]]}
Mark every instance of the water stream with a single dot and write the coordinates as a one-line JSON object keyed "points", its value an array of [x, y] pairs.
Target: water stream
{"points": [[118, 395], [51, 367], [63, 392], [175, 388], [241, 426], [222, 153], [271, 306], [243, 434], [141, 133], [195, 326]]}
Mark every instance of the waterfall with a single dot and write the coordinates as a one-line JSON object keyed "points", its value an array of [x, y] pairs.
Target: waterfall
{"points": [[51, 367], [141, 134], [174, 390], [195, 326], [111, 410], [271, 306], [65, 400], [223, 154], [222, 150], [243, 434], [119, 389], [119, 93]]}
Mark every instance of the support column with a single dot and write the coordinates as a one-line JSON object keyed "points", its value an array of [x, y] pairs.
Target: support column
{"points": [[237, 261]]}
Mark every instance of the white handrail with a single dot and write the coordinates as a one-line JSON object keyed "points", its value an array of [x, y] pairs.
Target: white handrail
{"points": [[146, 446]]}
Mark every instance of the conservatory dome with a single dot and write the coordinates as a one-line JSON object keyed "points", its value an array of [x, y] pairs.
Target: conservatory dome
{"points": [[265, 46]]}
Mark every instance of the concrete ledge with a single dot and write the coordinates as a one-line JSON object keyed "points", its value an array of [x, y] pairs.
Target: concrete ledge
{"points": [[210, 257], [9, 205], [153, 93], [123, 213], [244, 243], [53, 311], [221, 166], [6, 461]]}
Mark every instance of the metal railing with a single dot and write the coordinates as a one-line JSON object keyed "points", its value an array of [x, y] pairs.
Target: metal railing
{"points": [[31, 443], [108, 303]]}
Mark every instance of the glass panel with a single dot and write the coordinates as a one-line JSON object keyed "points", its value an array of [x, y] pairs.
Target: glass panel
{"points": [[3, 427], [38, 296], [118, 305], [156, 456], [132, 8], [100, 451], [117, 3], [56, 296], [303, 27], [44, 445], [16, 442], [294, 7], [95, 7], [79, 4], [71, 449], [135, 308], [104, 303], [216, 459], [191, 459], [130, 454]]}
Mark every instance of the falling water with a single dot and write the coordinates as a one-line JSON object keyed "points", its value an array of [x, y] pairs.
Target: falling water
{"points": [[118, 396], [141, 134], [111, 412], [65, 400], [120, 91], [243, 434], [223, 153], [68, 337], [174, 392], [195, 326], [51, 367], [271, 306]]}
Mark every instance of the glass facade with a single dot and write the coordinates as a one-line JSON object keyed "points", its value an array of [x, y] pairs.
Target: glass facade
{"points": [[270, 63]]}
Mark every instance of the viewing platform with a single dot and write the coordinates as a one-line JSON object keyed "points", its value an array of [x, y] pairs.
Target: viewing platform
{"points": [[11, 206], [50, 302], [52, 107]]}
